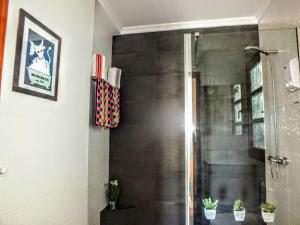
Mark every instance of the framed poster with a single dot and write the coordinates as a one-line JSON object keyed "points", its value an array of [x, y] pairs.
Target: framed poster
{"points": [[3, 19], [37, 58]]}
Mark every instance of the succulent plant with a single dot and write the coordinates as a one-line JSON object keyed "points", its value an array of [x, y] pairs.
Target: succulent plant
{"points": [[209, 204], [238, 205], [268, 208]]}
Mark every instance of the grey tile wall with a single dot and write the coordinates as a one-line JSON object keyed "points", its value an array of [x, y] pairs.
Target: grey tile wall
{"points": [[284, 191]]}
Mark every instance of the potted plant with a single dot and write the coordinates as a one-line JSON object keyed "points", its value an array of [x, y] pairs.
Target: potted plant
{"points": [[268, 212], [112, 192], [239, 210], [210, 208]]}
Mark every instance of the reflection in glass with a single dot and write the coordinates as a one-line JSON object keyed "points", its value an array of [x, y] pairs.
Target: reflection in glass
{"points": [[257, 106], [258, 135], [256, 77], [224, 167], [238, 130], [237, 94], [238, 112]]}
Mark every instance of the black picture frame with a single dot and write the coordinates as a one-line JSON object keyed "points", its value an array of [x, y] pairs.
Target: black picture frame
{"points": [[298, 41], [37, 58]]}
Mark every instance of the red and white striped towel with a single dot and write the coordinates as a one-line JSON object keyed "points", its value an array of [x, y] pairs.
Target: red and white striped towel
{"points": [[98, 66]]}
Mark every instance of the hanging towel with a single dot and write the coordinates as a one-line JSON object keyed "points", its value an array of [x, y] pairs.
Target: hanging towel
{"points": [[98, 66], [107, 104], [114, 77], [93, 97], [115, 106]]}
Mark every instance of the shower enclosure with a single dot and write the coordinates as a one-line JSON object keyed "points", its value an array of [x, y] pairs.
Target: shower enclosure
{"points": [[224, 122]]}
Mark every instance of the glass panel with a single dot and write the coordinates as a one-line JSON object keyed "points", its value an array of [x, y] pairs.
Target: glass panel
{"points": [[237, 94], [223, 128], [238, 130], [238, 113], [259, 135], [257, 106], [256, 77]]}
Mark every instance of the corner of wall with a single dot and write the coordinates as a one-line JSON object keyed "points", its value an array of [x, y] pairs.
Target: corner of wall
{"points": [[104, 29]]}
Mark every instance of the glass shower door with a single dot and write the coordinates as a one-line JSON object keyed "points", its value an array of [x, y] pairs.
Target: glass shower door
{"points": [[225, 117]]}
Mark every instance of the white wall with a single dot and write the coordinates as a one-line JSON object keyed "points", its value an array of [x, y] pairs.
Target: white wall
{"points": [[99, 137], [45, 143]]}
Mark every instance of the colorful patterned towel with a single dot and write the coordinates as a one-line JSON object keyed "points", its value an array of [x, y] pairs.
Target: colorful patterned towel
{"points": [[107, 104]]}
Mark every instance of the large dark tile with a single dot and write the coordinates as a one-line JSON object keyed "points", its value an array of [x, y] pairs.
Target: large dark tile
{"points": [[137, 100], [137, 191], [138, 87], [234, 170], [171, 186], [169, 212], [169, 41], [144, 157], [228, 40], [121, 216], [170, 87], [169, 63], [169, 121], [131, 138], [134, 43], [169, 156], [133, 64], [148, 213], [222, 62]]}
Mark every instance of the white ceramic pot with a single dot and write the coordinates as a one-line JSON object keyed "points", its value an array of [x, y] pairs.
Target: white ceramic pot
{"points": [[268, 217], [210, 214], [239, 216]]}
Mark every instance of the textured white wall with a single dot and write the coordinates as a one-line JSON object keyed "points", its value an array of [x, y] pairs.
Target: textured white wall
{"points": [[281, 13], [45, 143], [281, 190], [277, 31], [99, 137]]}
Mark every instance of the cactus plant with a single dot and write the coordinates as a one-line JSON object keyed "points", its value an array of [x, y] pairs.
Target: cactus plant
{"points": [[268, 208], [238, 205], [209, 204]]}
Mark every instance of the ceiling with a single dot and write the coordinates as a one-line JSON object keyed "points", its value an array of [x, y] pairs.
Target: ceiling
{"points": [[150, 15], [282, 13]]}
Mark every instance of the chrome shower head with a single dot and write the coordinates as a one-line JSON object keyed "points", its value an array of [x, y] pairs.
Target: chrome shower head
{"points": [[266, 52]]}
